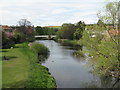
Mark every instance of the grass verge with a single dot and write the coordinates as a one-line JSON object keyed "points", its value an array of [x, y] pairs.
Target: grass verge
{"points": [[21, 69]]}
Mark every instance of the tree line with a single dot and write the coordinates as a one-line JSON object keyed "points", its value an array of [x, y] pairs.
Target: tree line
{"points": [[71, 31], [24, 32], [46, 30]]}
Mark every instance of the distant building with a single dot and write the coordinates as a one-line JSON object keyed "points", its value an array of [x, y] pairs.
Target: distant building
{"points": [[6, 28], [114, 32]]}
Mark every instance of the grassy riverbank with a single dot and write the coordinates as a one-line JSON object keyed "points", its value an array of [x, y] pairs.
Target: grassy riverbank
{"points": [[74, 44], [20, 69]]}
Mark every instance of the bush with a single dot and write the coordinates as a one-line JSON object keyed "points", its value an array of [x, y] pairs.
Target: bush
{"points": [[79, 54], [7, 42], [40, 49]]}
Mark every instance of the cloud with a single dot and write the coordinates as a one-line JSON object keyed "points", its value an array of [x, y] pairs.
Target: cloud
{"points": [[49, 12]]}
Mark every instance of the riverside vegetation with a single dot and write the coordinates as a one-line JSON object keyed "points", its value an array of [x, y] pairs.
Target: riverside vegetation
{"points": [[101, 46], [25, 68], [22, 70], [21, 64], [99, 40]]}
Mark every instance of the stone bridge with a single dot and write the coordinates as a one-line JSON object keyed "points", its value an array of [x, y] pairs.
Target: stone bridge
{"points": [[45, 36]]}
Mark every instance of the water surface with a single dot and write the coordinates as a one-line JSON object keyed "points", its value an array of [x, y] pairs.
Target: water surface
{"points": [[70, 71]]}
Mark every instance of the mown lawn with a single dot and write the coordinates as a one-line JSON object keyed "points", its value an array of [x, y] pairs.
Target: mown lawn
{"points": [[0, 70], [16, 68], [21, 69]]}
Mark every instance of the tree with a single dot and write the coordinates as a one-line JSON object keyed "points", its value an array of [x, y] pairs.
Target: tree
{"points": [[7, 40], [25, 30], [39, 30], [119, 16], [100, 22], [104, 53], [24, 22], [80, 27], [78, 34], [60, 34], [45, 29], [68, 30], [109, 15]]}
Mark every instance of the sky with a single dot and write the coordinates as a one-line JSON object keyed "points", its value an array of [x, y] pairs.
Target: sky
{"points": [[50, 12]]}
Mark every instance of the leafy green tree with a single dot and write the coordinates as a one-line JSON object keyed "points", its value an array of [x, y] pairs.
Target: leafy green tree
{"points": [[39, 30], [25, 30], [103, 53], [60, 34], [100, 22], [119, 16], [45, 29], [78, 34], [80, 27], [109, 15], [68, 31], [7, 42]]}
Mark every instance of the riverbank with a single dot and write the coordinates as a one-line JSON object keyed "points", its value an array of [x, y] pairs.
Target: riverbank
{"points": [[74, 45], [105, 78], [21, 70]]}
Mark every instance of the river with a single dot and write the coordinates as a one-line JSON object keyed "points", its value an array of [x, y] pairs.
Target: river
{"points": [[70, 71]]}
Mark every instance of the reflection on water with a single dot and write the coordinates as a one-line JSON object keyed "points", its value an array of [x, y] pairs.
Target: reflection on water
{"points": [[70, 71]]}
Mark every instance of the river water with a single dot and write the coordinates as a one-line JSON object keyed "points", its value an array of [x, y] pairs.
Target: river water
{"points": [[70, 71]]}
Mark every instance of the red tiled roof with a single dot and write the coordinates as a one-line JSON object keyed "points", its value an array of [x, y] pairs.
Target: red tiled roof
{"points": [[5, 27], [114, 32]]}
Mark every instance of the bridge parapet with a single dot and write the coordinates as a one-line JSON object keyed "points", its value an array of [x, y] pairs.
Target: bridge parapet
{"points": [[45, 36]]}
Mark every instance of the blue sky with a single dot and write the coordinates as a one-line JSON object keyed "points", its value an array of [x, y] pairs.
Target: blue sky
{"points": [[50, 12]]}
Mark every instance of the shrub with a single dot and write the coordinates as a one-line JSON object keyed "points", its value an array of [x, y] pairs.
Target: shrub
{"points": [[7, 41], [40, 49], [79, 54]]}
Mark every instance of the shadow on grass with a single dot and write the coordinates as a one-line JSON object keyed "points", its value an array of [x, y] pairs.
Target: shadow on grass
{"points": [[18, 47], [8, 57], [3, 51]]}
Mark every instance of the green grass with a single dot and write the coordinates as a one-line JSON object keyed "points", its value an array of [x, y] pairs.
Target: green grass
{"points": [[15, 70], [0, 72], [72, 43], [23, 71]]}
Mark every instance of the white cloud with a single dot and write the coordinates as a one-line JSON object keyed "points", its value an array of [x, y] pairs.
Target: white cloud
{"points": [[59, 11], [50, 12]]}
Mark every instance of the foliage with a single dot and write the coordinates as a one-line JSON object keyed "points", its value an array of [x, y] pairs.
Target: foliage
{"points": [[79, 53], [7, 40], [73, 43], [100, 22], [24, 32], [80, 27], [18, 37], [60, 34], [67, 31], [119, 16], [45, 30], [39, 30], [109, 15], [24, 23], [97, 27], [103, 52], [39, 48], [78, 34], [71, 31]]}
